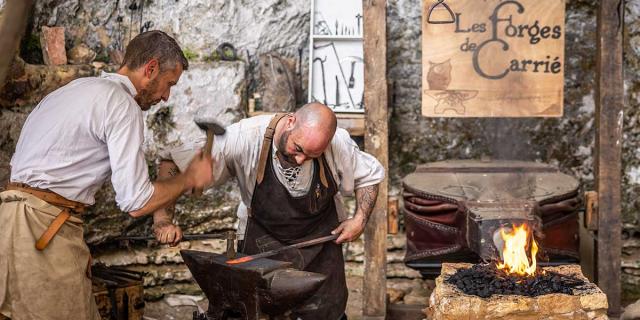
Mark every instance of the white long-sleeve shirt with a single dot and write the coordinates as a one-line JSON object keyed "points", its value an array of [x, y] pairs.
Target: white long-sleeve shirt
{"points": [[236, 153], [80, 134]]}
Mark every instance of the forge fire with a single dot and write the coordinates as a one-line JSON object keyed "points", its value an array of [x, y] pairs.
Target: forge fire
{"points": [[517, 273]]}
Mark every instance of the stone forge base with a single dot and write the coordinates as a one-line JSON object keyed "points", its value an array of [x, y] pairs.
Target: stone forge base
{"points": [[447, 302]]}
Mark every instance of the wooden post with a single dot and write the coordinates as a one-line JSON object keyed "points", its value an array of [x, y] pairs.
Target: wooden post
{"points": [[12, 25], [609, 116], [376, 143]]}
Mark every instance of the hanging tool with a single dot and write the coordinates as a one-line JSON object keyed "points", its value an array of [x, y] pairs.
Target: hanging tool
{"points": [[285, 248], [359, 18], [146, 26], [120, 39], [324, 85], [336, 27], [337, 92], [140, 17], [133, 7], [344, 78], [352, 80], [212, 128]]}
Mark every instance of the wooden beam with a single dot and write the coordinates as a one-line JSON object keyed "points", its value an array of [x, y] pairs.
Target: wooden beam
{"points": [[12, 25], [376, 143], [609, 116]]}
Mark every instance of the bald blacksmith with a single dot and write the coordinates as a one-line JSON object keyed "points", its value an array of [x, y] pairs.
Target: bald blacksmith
{"points": [[291, 170], [72, 142]]}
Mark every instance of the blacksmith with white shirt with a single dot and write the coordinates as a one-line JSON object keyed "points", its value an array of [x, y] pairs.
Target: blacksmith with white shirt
{"points": [[292, 170], [72, 142]]}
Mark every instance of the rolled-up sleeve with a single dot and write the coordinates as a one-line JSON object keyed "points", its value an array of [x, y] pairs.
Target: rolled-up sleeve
{"points": [[356, 169], [129, 171]]}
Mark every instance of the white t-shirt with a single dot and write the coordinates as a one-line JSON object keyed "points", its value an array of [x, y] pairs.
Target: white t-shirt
{"points": [[236, 153], [80, 134]]}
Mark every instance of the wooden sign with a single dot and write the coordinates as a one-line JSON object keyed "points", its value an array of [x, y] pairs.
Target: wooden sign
{"points": [[492, 58]]}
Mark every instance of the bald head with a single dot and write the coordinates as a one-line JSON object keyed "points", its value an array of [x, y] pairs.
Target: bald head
{"points": [[318, 117], [306, 134]]}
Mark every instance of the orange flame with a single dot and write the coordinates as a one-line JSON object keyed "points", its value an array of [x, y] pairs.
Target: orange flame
{"points": [[514, 253]]}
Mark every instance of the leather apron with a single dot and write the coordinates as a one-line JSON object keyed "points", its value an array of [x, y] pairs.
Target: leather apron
{"points": [[277, 219]]}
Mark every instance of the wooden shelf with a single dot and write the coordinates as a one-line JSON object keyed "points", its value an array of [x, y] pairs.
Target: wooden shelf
{"points": [[352, 122], [336, 38]]}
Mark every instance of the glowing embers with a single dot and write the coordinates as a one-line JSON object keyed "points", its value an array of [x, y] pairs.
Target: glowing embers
{"points": [[485, 280]]}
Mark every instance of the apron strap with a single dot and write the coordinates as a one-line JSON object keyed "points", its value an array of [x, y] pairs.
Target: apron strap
{"points": [[53, 228], [323, 175], [266, 144]]}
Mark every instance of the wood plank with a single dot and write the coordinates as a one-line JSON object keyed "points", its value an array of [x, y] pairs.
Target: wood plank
{"points": [[477, 62], [376, 143], [12, 26], [609, 116]]}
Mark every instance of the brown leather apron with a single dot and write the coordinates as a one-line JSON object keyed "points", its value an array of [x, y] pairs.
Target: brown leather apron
{"points": [[48, 281], [277, 219]]}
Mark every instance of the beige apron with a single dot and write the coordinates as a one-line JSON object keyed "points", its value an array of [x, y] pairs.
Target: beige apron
{"points": [[50, 284]]}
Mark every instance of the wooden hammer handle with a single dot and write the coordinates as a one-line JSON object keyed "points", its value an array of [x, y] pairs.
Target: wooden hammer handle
{"points": [[206, 151]]}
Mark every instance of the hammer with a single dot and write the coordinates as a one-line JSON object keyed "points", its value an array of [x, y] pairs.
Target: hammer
{"points": [[212, 128]]}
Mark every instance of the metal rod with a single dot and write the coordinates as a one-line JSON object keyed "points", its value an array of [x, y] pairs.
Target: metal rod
{"points": [[276, 251], [222, 235]]}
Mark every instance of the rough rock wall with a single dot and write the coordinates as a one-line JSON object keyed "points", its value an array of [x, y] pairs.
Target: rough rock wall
{"points": [[200, 26]]}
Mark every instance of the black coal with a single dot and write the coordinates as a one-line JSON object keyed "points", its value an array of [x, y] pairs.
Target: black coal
{"points": [[485, 280]]}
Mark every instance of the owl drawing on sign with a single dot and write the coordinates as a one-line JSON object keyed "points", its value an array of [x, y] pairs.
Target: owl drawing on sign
{"points": [[439, 75]]}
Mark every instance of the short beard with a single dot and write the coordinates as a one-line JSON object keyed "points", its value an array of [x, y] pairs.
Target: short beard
{"points": [[144, 98], [285, 158]]}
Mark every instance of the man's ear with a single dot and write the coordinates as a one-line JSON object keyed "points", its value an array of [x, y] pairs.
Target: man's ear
{"points": [[152, 68], [291, 121]]}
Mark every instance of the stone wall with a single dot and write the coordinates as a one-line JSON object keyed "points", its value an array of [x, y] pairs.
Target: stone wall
{"points": [[281, 27]]}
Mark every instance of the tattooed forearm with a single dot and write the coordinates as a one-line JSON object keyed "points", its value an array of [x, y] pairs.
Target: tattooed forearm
{"points": [[366, 199], [167, 169]]}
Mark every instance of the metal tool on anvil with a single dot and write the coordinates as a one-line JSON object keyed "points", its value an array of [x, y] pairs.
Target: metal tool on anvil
{"points": [[285, 248], [230, 236], [212, 128]]}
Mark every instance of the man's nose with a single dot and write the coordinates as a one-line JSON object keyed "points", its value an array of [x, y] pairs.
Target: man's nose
{"points": [[300, 158], [165, 95]]}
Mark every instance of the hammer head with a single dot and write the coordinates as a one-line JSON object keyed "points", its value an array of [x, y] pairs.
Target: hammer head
{"points": [[216, 127]]}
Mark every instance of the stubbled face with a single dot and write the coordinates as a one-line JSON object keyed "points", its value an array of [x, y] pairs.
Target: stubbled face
{"points": [[158, 87], [300, 144]]}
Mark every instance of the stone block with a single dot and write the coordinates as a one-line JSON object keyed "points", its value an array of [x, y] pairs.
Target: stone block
{"points": [[81, 54], [52, 43], [448, 302]]}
